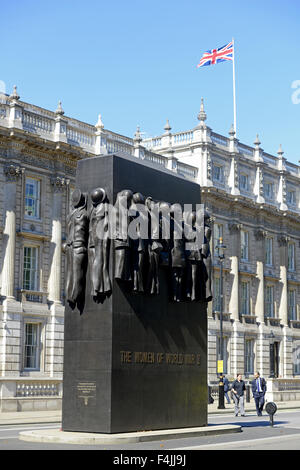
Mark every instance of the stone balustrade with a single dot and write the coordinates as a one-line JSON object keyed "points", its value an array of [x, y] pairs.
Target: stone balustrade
{"points": [[30, 394], [95, 140]]}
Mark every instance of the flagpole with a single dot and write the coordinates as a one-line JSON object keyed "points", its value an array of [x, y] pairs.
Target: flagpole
{"points": [[234, 98]]}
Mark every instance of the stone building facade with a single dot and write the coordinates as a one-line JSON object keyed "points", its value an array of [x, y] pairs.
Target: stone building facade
{"points": [[254, 202], [39, 151]]}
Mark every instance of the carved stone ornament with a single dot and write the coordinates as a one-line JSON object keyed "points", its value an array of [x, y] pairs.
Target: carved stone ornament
{"points": [[235, 227], [13, 172], [283, 240], [260, 234], [59, 183]]}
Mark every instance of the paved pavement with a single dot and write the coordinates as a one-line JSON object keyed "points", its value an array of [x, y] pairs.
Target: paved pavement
{"points": [[33, 417], [250, 407]]}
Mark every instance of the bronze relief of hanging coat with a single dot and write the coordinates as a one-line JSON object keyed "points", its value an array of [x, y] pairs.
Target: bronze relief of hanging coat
{"points": [[99, 245], [139, 243], [122, 260], [76, 250], [206, 259], [193, 259], [177, 253], [154, 246]]}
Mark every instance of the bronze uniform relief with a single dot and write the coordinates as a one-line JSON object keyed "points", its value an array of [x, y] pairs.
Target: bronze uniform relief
{"points": [[76, 250], [177, 252], [193, 259], [154, 246], [121, 238], [99, 245], [139, 242], [147, 235], [206, 259]]}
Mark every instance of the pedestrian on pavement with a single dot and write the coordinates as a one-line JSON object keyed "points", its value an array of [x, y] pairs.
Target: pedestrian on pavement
{"points": [[238, 393], [226, 387], [259, 388]]}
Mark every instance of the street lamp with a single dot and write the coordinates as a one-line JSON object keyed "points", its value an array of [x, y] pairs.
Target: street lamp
{"points": [[221, 254]]}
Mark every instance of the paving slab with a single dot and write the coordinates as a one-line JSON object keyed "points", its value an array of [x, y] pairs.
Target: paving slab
{"points": [[29, 417], [54, 416], [82, 438]]}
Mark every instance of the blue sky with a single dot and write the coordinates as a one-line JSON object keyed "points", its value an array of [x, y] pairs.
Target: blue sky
{"points": [[135, 63]]}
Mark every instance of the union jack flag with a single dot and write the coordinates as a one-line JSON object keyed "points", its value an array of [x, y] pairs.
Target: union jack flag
{"points": [[215, 56]]}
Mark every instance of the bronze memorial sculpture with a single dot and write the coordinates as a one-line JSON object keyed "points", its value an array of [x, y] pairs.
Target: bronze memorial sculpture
{"points": [[138, 282], [151, 243]]}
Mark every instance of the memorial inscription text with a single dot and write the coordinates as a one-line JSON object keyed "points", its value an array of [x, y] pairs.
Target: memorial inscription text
{"points": [[139, 357]]}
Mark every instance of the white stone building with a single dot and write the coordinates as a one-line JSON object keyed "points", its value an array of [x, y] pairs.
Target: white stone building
{"points": [[39, 150], [254, 200]]}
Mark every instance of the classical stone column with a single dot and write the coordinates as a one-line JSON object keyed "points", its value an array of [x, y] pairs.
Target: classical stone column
{"points": [[11, 308], [260, 298], [283, 306], [55, 327], [54, 281], [13, 173], [234, 272], [260, 235]]}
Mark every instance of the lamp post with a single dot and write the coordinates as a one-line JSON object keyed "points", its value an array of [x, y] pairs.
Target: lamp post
{"points": [[221, 254]]}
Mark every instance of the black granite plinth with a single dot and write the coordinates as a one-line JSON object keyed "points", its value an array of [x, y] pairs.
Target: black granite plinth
{"points": [[136, 362]]}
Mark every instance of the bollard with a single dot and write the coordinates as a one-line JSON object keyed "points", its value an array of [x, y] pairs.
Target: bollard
{"points": [[271, 409], [248, 388], [221, 405]]}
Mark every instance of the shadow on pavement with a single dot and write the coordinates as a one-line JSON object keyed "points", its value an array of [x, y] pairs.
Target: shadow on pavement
{"points": [[257, 424]]}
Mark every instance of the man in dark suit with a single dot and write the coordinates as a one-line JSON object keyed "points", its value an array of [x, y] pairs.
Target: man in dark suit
{"points": [[259, 388], [226, 387]]}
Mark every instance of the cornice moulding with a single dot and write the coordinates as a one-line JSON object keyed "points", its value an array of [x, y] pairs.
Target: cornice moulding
{"points": [[34, 236]]}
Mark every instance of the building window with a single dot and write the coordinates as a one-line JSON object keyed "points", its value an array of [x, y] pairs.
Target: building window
{"points": [[32, 346], [291, 256], [218, 173], [244, 245], [32, 198], [291, 197], [269, 190], [216, 298], [296, 359], [245, 298], [249, 356], [270, 301], [244, 181], [269, 251], [292, 304], [30, 268], [218, 233]]}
